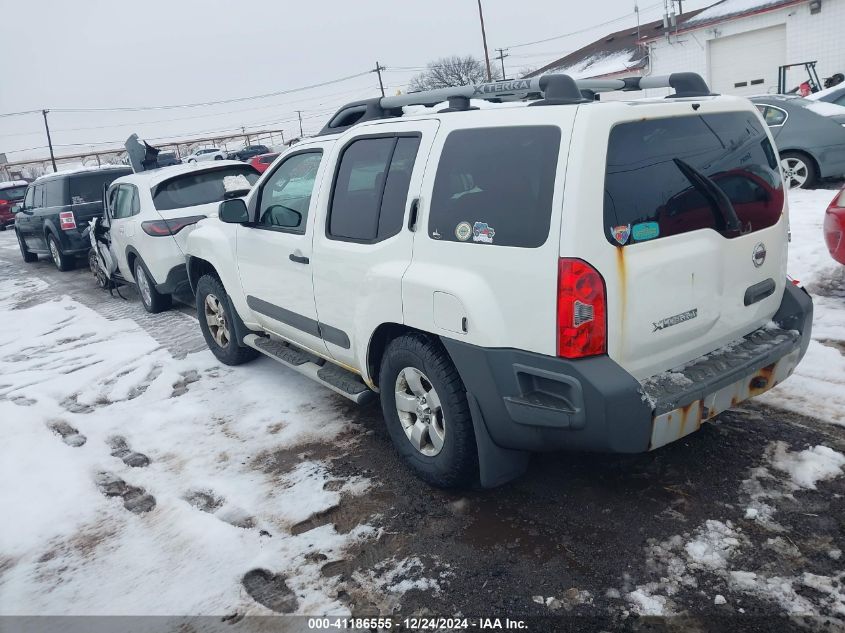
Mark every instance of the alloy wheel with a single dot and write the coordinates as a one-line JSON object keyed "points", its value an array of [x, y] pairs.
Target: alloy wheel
{"points": [[215, 318], [54, 252], [795, 172], [420, 411], [143, 285]]}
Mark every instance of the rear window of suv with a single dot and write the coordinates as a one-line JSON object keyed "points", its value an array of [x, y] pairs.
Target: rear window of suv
{"points": [[204, 187], [88, 187], [661, 172], [495, 186], [13, 193]]}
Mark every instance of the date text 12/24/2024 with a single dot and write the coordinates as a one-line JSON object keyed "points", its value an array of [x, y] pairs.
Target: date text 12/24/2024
{"points": [[417, 624]]}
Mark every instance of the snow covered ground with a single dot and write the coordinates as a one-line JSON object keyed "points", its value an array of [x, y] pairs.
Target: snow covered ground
{"points": [[120, 462], [817, 388]]}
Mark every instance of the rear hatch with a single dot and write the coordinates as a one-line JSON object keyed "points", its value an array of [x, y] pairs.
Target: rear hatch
{"points": [[187, 198], [694, 235]]}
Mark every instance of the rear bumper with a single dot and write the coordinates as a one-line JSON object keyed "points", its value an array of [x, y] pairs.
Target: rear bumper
{"points": [[534, 402], [73, 243]]}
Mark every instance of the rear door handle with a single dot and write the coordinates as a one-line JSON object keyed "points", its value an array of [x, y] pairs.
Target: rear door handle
{"points": [[759, 291], [299, 259]]}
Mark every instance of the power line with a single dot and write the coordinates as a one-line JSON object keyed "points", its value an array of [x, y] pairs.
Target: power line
{"points": [[192, 117], [584, 30], [5, 114], [203, 103]]}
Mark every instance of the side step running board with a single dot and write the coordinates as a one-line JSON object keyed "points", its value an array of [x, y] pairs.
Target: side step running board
{"points": [[339, 380]]}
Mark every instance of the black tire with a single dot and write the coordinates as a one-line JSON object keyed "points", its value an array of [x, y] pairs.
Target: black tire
{"points": [[2, 227], [229, 353], [218, 158], [63, 262], [809, 167], [27, 256], [456, 463], [152, 300]]}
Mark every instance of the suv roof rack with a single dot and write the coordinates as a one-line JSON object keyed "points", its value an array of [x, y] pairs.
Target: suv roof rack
{"points": [[552, 89]]}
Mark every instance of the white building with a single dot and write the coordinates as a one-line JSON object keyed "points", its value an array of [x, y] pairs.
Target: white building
{"points": [[738, 45]]}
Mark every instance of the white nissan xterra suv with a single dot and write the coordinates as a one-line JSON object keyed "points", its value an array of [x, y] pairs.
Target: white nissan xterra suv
{"points": [[560, 273]]}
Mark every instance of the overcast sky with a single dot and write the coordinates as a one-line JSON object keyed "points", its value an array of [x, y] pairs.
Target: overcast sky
{"points": [[128, 53]]}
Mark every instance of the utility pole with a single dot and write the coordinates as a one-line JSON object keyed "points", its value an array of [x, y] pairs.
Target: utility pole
{"points": [[484, 39], [283, 136], [502, 59], [246, 136], [378, 70], [301, 133], [680, 7], [49, 140]]}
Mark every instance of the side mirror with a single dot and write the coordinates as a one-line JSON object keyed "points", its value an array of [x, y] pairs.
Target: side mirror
{"points": [[19, 208], [233, 211]]}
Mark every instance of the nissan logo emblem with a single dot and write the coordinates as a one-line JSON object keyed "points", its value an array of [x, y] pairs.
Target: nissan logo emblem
{"points": [[758, 256]]}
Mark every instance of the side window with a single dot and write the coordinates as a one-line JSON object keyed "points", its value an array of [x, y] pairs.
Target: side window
{"points": [[495, 186], [136, 203], [54, 193], [38, 200], [123, 207], [112, 199], [371, 188], [286, 196], [29, 198], [772, 116]]}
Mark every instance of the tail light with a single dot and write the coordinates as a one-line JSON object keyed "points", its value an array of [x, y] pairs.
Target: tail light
{"points": [[163, 228], [67, 221], [581, 310]]}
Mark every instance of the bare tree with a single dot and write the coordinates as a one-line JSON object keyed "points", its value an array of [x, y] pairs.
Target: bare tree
{"points": [[450, 71]]}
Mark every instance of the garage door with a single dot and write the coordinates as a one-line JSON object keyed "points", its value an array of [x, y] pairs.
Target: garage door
{"points": [[747, 64]]}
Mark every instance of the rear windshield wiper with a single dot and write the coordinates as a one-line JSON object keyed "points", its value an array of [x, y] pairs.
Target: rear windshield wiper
{"points": [[714, 193]]}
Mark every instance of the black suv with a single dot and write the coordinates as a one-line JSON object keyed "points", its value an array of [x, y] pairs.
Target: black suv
{"points": [[57, 208], [249, 152]]}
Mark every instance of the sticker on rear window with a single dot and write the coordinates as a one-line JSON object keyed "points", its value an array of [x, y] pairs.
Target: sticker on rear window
{"points": [[481, 232], [621, 233], [645, 231]]}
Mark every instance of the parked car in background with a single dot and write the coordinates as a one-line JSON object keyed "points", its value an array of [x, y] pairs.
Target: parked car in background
{"points": [[248, 152], [203, 154], [11, 193], [836, 95], [150, 215], [56, 210], [810, 137], [167, 159], [263, 161], [834, 227]]}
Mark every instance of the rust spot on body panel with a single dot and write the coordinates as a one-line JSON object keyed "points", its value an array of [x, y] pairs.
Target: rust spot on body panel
{"points": [[623, 291]]}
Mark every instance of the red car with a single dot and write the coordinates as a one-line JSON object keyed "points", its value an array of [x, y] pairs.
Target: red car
{"points": [[11, 193], [263, 161], [834, 227]]}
